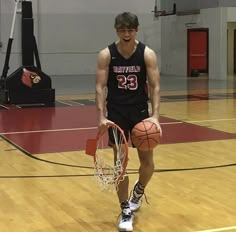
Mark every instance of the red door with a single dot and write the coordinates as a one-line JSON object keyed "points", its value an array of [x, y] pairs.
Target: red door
{"points": [[234, 51], [197, 50]]}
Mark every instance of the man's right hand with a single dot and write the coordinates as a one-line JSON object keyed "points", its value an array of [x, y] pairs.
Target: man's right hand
{"points": [[103, 125]]}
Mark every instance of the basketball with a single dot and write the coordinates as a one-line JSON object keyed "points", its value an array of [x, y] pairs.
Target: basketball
{"points": [[145, 136]]}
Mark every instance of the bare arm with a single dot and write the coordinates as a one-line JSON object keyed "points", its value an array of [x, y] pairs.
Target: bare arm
{"points": [[101, 84], [154, 84]]}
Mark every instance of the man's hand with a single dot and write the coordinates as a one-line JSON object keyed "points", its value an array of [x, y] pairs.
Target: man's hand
{"points": [[155, 121], [103, 125]]}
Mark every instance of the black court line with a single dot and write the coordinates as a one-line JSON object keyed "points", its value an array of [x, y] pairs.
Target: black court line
{"points": [[91, 102], [42, 105], [129, 172], [174, 98]]}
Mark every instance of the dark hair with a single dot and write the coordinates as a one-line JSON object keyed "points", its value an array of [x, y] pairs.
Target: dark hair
{"points": [[126, 20]]}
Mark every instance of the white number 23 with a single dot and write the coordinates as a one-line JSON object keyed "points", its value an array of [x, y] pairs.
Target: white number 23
{"points": [[130, 82]]}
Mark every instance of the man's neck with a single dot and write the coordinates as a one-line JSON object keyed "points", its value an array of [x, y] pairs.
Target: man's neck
{"points": [[126, 49]]}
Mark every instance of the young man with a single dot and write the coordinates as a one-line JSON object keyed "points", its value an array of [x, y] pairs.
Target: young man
{"points": [[123, 70]]}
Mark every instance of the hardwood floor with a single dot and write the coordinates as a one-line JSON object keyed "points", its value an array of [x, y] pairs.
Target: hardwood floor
{"points": [[192, 189]]}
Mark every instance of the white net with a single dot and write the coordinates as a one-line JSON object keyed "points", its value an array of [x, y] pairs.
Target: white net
{"points": [[107, 176], [110, 169]]}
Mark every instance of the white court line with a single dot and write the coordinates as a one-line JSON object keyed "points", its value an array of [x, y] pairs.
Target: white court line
{"points": [[40, 131], [59, 130], [191, 121], [65, 103], [4, 107], [170, 123], [213, 120], [92, 128], [218, 229], [76, 103], [70, 104]]}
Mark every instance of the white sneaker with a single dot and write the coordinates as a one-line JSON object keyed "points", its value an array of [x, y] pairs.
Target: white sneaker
{"points": [[135, 203], [126, 220], [135, 200]]}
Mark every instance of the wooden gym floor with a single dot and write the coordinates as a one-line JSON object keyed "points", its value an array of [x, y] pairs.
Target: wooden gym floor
{"points": [[47, 182]]}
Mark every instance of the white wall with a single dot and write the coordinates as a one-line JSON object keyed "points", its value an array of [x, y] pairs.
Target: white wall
{"points": [[216, 20], [70, 33], [230, 49], [174, 40], [231, 18], [173, 46], [231, 14], [183, 5]]}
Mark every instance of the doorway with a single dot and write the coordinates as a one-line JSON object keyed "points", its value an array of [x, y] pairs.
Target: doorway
{"points": [[197, 56], [234, 51]]}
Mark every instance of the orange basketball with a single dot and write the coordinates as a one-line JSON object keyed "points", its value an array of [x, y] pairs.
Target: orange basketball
{"points": [[145, 135]]}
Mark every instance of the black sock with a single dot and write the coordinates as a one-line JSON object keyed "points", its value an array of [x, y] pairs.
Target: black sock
{"points": [[138, 190], [124, 204]]}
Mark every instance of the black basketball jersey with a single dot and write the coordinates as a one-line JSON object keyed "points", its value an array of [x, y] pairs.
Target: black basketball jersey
{"points": [[127, 80]]}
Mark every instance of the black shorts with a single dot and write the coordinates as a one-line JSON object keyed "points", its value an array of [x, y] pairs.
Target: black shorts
{"points": [[126, 117]]}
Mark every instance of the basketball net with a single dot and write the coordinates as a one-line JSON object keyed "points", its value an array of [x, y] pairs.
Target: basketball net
{"points": [[109, 171], [106, 176]]}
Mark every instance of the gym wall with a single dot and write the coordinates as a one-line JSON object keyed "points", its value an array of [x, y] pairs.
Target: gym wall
{"points": [[70, 33], [214, 15]]}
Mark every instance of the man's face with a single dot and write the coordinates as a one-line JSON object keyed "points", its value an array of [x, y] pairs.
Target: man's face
{"points": [[126, 34]]}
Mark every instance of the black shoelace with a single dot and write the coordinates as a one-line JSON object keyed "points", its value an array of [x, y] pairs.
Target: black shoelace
{"points": [[137, 199]]}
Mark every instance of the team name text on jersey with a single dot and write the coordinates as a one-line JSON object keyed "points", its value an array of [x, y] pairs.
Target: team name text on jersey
{"points": [[126, 69]]}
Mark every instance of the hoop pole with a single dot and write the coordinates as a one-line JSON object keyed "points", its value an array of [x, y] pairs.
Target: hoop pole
{"points": [[14, 19], [155, 9], [8, 52]]}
